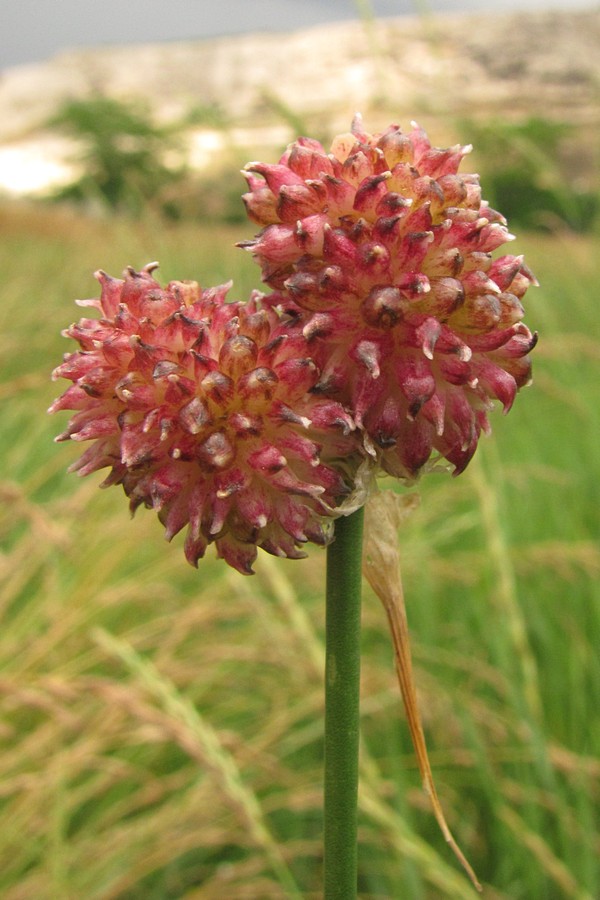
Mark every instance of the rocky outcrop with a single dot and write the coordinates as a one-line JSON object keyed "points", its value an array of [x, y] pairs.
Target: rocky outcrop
{"points": [[434, 69], [545, 62]]}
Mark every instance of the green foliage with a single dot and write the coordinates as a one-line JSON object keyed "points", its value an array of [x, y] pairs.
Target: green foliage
{"points": [[528, 174], [207, 115], [274, 104], [112, 786], [123, 155], [213, 196]]}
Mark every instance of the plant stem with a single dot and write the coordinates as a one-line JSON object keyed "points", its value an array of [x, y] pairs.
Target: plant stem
{"points": [[342, 692]]}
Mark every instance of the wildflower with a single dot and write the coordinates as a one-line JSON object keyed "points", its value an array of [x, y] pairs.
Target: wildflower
{"points": [[381, 254], [203, 411]]}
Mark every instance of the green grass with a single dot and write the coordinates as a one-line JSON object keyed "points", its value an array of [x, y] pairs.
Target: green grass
{"points": [[161, 727]]}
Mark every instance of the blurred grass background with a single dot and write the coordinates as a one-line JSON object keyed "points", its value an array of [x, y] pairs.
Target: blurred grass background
{"points": [[161, 727]]}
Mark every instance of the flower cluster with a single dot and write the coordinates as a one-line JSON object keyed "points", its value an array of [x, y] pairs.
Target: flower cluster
{"points": [[389, 332], [204, 411], [382, 254]]}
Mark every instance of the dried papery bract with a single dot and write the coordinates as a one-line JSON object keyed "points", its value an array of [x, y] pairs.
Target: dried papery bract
{"points": [[381, 566], [203, 410], [381, 253]]}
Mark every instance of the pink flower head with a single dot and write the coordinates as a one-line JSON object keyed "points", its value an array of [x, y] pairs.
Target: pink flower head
{"points": [[203, 410], [382, 256]]}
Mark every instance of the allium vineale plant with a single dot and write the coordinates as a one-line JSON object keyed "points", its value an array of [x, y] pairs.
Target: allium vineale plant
{"points": [[386, 334]]}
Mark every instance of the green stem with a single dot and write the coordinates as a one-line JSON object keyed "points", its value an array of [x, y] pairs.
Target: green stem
{"points": [[342, 691]]}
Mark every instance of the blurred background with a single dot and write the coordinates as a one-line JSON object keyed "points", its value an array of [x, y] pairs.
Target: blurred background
{"points": [[161, 727]]}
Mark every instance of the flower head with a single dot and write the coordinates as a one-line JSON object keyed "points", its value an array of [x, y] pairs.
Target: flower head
{"points": [[203, 411], [381, 254]]}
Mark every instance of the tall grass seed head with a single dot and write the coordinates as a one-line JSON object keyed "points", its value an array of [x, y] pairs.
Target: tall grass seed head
{"points": [[382, 254], [203, 411]]}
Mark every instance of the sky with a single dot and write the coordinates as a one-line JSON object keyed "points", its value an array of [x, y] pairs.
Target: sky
{"points": [[35, 30]]}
